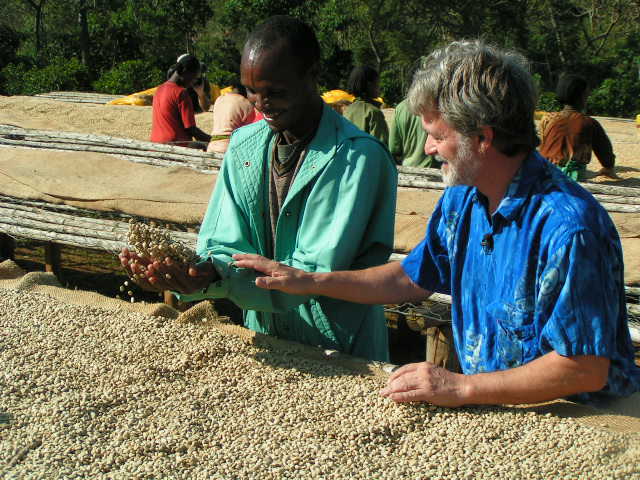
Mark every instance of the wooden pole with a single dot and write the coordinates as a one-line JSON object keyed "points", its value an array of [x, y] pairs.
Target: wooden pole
{"points": [[440, 349], [7, 247], [52, 258], [15, 133], [170, 299]]}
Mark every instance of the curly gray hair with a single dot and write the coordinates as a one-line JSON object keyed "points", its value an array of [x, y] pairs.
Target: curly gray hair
{"points": [[472, 85]]}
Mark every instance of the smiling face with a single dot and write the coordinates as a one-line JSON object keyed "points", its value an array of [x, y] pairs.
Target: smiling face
{"points": [[460, 163], [278, 89]]}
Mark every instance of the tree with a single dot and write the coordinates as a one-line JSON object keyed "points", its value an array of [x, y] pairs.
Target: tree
{"points": [[38, 8]]}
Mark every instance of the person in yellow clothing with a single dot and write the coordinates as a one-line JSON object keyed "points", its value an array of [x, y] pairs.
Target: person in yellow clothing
{"points": [[364, 112]]}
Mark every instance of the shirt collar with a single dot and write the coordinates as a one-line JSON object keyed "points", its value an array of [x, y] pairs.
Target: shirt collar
{"points": [[519, 189]]}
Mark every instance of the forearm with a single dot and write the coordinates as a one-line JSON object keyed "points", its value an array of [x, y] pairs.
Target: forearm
{"points": [[546, 378], [377, 285], [198, 134], [238, 285]]}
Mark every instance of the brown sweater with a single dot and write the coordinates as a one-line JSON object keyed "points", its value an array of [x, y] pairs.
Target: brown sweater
{"points": [[569, 134]]}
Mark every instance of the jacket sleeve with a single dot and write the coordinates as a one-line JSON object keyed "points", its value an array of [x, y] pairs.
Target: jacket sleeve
{"points": [[227, 228], [602, 146], [395, 140], [378, 126]]}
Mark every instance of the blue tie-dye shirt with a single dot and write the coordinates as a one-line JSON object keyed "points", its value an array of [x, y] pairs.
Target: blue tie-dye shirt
{"points": [[543, 273]]}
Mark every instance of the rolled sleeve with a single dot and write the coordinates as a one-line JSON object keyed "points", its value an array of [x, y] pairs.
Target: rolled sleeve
{"points": [[583, 308]]}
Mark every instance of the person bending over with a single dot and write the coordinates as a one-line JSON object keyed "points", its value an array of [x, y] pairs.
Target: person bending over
{"points": [[230, 112], [173, 118], [568, 137], [200, 90]]}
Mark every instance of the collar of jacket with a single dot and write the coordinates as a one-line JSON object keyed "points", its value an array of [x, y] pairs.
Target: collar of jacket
{"points": [[250, 152]]}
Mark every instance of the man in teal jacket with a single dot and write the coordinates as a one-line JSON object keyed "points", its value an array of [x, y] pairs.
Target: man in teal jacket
{"points": [[304, 187]]}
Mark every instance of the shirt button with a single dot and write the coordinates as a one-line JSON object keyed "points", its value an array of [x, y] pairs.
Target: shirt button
{"points": [[287, 213]]}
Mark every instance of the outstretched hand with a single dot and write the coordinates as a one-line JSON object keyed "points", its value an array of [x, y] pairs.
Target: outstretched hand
{"points": [[426, 382], [166, 274], [277, 276]]}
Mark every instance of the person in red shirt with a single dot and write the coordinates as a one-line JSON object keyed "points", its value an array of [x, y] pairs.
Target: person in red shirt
{"points": [[173, 113]]}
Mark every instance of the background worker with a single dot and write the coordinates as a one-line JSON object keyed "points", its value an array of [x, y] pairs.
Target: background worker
{"points": [[407, 139], [173, 118], [532, 261], [200, 91], [230, 112], [569, 136], [364, 112], [304, 187]]}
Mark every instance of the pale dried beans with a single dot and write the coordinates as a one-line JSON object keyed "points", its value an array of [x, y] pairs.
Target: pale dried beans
{"points": [[92, 393]]}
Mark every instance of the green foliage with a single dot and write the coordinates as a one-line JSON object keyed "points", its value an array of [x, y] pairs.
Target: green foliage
{"points": [[220, 77], [391, 87], [615, 97], [60, 74], [548, 102], [598, 39], [129, 77], [9, 42], [619, 95]]}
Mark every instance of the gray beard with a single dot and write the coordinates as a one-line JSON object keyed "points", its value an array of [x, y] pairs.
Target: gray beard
{"points": [[466, 167]]}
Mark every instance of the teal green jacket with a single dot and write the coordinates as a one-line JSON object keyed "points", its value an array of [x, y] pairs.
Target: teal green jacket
{"points": [[338, 215]]}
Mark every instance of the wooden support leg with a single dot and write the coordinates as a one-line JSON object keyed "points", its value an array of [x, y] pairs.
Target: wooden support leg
{"points": [[52, 258], [7, 247], [170, 299], [441, 349]]}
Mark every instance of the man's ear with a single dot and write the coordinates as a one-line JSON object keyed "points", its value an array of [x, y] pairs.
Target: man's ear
{"points": [[485, 139]]}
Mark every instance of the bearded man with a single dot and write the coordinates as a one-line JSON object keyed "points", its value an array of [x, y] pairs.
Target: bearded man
{"points": [[532, 262]]}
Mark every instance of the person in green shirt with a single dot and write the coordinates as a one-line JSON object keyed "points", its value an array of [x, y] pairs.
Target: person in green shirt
{"points": [[364, 112], [303, 187], [407, 139]]}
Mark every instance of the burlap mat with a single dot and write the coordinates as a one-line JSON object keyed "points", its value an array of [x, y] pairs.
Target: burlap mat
{"points": [[413, 209], [116, 120], [105, 183], [415, 206], [102, 182], [15, 278], [623, 416]]}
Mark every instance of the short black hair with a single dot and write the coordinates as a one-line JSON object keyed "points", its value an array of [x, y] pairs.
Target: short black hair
{"points": [[238, 87], [359, 80], [570, 90], [188, 63], [290, 31]]}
